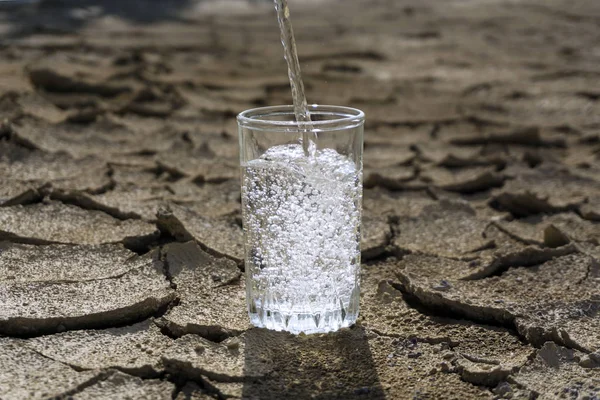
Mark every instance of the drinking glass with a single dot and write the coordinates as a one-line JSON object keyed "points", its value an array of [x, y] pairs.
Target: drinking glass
{"points": [[301, 212]]}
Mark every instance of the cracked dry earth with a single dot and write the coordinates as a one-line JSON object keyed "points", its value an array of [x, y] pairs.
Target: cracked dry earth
{"points": [[121, 273]]}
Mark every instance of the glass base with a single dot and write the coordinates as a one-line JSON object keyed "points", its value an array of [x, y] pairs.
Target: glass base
{"points": [[332, 314], [329, 321]]}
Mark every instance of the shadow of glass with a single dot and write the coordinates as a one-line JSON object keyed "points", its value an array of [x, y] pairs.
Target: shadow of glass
{"points": [[332, 366]]}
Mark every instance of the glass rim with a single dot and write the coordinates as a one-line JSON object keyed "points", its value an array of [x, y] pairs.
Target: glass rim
{"points": [[347, 117]]}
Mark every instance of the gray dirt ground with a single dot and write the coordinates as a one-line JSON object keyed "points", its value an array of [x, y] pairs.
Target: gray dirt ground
{"points": [[121, 272]]}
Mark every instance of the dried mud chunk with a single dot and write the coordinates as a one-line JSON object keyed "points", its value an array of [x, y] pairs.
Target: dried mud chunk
{"points": [[37, 168], [405, 203], [463, 180], [426, 273], [78, 101], [483, 372], [211, 291], [594, 252], [375, 236], [545, 110], [384, 310], [504, 252], [120, 386], [232, 79], [64, 263], [198, 167], [487, 355], [552, 229], [584, 157], [423, 111], [406, 369], [237, 359], [530, 136], [591, 210], [484, 355], [127, 176], [546, 189], [26, 374], [494, 261], [386, 156], [448, 229], [403, 136], [156, 107], [246, 95], [575, 325], [93, 177], [187, 263], [208, 101], [340, 49], [444, 155], [10, 108], [431, 270], [506, 390], [219, 236], [394, 178], [208, 200], [224, 146], [122, 203], [479, 201], [13, 192], [44, 307], [102, 138], [135, 349], [60, 223], [516, 297], [137, 193], [38, 106], [12, 77], [57, 75], [555, 372], [459, 157], [574, 228]]}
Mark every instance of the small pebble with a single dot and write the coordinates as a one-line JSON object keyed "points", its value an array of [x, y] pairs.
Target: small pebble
{"points": [[443, 285], [444, 366]]}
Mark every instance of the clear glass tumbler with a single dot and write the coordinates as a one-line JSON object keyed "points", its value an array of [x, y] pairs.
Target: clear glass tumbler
{"points": [[301, 214]]}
